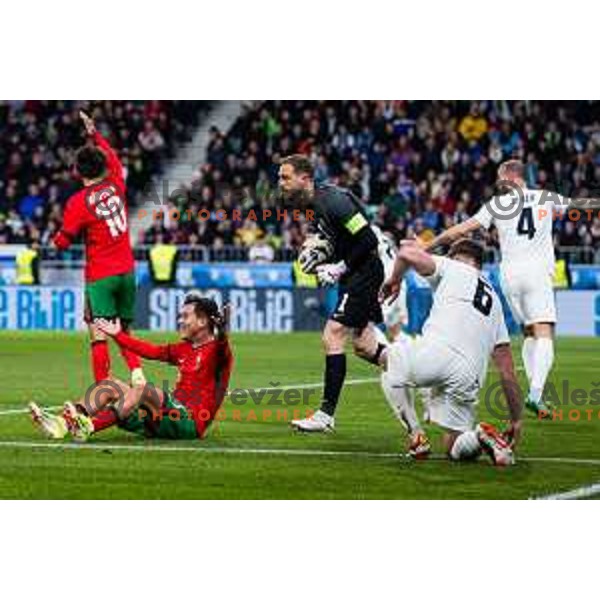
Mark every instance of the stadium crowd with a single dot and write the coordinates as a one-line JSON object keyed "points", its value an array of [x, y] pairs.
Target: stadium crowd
{"points": [[37, 140], [417, 166]]}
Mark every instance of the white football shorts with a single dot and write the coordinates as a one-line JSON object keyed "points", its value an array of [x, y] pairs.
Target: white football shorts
{"points": [[530, 295], [455, 388]]}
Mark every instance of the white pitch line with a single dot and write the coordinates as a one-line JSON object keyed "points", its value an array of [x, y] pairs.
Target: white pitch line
{"points": [[585, 491], [563, 459], [249, 450], [283, 388], [196, 449], [16, 411]]}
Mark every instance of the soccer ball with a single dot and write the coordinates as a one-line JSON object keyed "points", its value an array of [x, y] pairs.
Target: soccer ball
{"points": [[315, 251]]}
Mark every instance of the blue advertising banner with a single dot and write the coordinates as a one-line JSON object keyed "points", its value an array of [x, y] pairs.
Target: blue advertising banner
{"points": [[268, 310], [279, 275], [578, 313], [252, 310], [235, 275], [227, 275], [41, 308]]}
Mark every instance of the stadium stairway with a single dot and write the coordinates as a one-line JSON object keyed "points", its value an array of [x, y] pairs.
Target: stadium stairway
{"points": [[182, 168]]}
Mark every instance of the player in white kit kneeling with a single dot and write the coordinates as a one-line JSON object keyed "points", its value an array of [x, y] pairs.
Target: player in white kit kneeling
{"points": [[465, 327]]}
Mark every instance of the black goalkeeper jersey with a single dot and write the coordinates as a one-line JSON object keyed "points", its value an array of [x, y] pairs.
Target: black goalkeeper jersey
{"points": [[340, 217]]}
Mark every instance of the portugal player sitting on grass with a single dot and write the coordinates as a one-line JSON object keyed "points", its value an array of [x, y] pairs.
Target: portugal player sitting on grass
{"points": [[99, 212], [204, 361]]}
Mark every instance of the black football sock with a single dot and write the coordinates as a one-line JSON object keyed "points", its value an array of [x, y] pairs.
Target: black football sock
{"points": [[375, 358], [335, 373]]}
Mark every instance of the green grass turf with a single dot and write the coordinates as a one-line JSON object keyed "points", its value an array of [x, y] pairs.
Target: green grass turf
{"points": [[53, 367]]}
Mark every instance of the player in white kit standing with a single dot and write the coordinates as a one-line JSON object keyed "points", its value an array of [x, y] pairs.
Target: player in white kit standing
{"points": [[523, 218], [395, 318], [395, 314], [465, 327]]}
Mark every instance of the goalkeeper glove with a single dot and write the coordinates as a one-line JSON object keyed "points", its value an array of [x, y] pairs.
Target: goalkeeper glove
{"points": [[330, 274]]}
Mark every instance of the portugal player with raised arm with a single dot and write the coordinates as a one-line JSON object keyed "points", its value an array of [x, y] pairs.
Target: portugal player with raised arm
{"points": [[99, 213]]}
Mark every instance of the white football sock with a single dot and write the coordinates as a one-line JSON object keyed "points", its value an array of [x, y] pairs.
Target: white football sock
{"points": [[527, 355], [466, 446], [543, 357], [402, 402], [402, 336]]}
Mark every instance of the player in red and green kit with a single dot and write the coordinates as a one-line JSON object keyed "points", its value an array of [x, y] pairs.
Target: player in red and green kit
{"points": [[204, 361], [99, 213]]}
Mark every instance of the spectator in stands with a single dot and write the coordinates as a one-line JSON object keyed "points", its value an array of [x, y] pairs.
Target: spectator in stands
{"points": [[248, 233], [27, 263], [162, 262], [152, 142], [261, 251], [6, 232], [594, 240], [473, 126], [32, 201]]}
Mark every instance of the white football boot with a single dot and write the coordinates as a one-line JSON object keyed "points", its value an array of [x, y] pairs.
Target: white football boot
{"points": [[52, 426], [493, 443], [79, 425], [318, 423]]}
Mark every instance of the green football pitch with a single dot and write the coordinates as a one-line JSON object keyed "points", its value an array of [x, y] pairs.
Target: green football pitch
{"points": [[252, 452]]}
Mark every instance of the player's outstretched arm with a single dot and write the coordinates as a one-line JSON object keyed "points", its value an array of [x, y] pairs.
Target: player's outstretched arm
{"points": [[88, 123], [502, 357], [453, 233], [142, 348], [410, 255]]}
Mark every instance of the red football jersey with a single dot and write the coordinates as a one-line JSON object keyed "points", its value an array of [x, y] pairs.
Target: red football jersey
{"points": [[100, 212], [203, 373]]}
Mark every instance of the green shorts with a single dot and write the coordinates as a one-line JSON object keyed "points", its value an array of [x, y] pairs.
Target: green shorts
{"points": [[111, 297], [174, 422]]}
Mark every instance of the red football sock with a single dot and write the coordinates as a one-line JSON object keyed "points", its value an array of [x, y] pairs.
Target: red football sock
{"points": [[133, 360], [104, 419], [100, 360]]}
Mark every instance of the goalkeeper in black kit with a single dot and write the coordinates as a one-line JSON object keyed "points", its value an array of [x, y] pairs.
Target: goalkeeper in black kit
{"points": [[340, 225]]}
